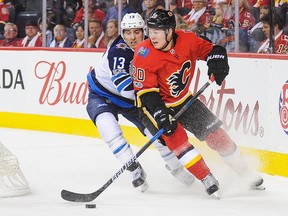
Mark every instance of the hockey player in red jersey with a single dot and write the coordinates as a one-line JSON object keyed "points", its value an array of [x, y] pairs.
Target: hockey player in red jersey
{"points": [[111, 94], [163, 69]]}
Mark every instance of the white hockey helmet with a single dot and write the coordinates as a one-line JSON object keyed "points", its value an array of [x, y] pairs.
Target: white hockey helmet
{"points": [[132, 20]]}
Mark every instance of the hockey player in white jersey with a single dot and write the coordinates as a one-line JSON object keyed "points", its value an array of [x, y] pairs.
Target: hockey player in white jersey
{"points": [[12, 181], [111, 93]]}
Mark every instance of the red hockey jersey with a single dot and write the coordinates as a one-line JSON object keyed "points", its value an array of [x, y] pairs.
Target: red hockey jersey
{"points": [[246, 20], [98, 14], [169, 73], [4, 13], [281, 44]]}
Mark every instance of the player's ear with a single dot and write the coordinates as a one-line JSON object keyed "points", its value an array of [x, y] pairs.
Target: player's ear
{"points": [[170, 32]]}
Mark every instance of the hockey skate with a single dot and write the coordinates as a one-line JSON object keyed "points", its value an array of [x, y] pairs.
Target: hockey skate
{"points": [[182, 175], [139, 178], [253, 180], [211, 185], [258, 184], [250, 178]]}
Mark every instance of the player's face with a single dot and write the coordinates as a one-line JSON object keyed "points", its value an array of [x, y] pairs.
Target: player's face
{"points": [[133, 37], [157, 38]]}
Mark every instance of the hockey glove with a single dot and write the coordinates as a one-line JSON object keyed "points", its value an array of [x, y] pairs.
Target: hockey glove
{"points": [[217, 63], [164, 120]]}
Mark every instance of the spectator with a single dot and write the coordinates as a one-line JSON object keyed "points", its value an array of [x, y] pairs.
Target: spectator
{"points": [[32, 38], [246, 19], [259, 3], [95, 13], [280, 39], [150, 7], [49, 33], [281, 8], [159, 6], [79, 42], [256, 35], [96, 38], [14, 7], [279, 2], [112, 13], [264, 10], [196, 19], [254, 7], [60, 37], [246, 22], [10, 36], [180, 22], [4, 12], [217, 19], [58, 15], [137, 5], [181, 7], [184, 3], [111, 32], [11, 10], [213, 29]]}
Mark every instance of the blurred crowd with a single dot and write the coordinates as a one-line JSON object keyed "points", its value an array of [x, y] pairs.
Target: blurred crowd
{"points": [[262, 26]]}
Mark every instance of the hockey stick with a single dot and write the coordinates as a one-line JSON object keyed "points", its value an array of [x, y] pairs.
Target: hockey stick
{"points": [[79, 197]]}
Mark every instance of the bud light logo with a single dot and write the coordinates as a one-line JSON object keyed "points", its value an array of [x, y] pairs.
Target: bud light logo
{"points": [[283, 107]]}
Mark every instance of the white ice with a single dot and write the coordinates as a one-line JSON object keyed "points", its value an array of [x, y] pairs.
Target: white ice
{"points": [[52, 162]]}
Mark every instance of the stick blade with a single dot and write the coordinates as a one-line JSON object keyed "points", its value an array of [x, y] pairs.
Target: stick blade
{"points": [[77, 197]]}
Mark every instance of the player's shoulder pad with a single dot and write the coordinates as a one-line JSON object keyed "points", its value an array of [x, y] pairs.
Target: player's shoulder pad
{"points": [[119, 47], [185, 35], [119, 43]]}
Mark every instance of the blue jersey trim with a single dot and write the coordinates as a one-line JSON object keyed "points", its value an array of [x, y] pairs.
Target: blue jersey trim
{"points": [[125, 84], [110, 96]]}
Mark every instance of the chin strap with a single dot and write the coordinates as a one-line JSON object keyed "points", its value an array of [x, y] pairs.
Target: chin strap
{"points": [[167, 42]]}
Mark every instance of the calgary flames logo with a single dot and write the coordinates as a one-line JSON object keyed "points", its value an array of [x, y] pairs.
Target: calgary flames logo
{"points": [[179, 79]]}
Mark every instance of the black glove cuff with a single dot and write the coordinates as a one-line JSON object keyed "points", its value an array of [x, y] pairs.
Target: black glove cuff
{"points": [[152, 102], [216, 52]]}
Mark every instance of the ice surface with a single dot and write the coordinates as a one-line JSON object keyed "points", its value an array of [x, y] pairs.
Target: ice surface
{"points": [[52, 162]]}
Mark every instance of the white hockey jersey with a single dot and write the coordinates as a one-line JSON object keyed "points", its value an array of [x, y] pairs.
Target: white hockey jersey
{"points": [[112, 77]]}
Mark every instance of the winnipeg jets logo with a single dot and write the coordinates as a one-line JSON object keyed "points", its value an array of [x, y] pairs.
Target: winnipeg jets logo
{"points": [[178, 80], [122, 46]]}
